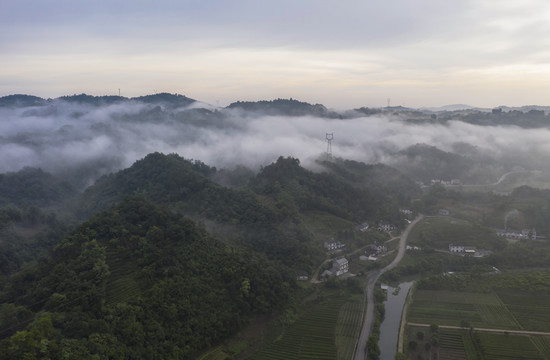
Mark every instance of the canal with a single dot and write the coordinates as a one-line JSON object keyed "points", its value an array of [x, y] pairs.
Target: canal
{"points": [[389, 329]]}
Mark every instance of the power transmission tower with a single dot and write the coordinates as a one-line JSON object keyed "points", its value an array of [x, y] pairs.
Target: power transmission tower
{"points": [[329, 138]]}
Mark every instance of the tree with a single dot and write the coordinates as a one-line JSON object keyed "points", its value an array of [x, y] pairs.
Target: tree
{"points": [[413, 344], [464, 323], [373, 350], [400, 356], [420, 335]]}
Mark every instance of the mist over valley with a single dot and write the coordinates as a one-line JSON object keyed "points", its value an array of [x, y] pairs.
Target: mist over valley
{"points": [[81, 137]]}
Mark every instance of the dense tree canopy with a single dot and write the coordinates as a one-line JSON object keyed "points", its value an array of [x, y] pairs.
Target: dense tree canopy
{"points": [[138, 282]]}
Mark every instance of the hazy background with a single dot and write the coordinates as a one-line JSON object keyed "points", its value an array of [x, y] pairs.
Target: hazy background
{"points": [[73, 139], [344, 54]]}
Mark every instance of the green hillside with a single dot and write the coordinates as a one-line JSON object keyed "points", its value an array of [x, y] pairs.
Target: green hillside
{"points": [[137, 281]]}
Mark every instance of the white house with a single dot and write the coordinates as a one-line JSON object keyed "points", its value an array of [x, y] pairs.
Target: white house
{"points": [[340, 266], [461, 249], [333, 245], [456, 248]]}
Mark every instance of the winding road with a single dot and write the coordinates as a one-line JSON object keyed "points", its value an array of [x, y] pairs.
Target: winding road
{"points": [[360, 349]]}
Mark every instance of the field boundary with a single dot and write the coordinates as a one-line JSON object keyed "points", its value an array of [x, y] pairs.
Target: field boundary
{"points": [[499, 331]]}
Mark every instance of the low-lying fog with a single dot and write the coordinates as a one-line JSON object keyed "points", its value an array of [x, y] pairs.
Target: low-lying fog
{"points": [[70, 138]]}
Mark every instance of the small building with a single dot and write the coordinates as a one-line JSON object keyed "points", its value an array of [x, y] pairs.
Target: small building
{"points": [[469, 249], [302, 275], [456, 248], [386, 227], [363, 227], [333, 245], [444, 212], [326, 274], [376, 249], [461, 249]]}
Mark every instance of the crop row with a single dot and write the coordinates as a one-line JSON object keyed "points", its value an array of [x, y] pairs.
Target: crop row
{"points": [[497, 316], [444, 314], [310, 337], [444, 296], [348, 327], [543, 344], [535, 319], [502, 347], [514, 297]]}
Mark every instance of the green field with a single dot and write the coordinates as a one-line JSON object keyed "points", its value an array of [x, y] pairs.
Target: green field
{"points": [[512, 302], [455, 308], [438, 232], [503, 347], [532, 310], [312, 336], [348, 327]]}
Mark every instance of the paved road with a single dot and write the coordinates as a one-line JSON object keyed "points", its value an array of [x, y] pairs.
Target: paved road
{"points": [[360, 349], [501, 179]]}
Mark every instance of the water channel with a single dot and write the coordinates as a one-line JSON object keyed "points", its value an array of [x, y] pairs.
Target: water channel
{"points": [[389, 329]]}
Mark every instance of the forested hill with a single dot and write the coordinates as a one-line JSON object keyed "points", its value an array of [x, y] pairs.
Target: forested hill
{"points": [[185, 187], [136, 282], [348, 189], [268, 214], [31, 186], [286, 107]]}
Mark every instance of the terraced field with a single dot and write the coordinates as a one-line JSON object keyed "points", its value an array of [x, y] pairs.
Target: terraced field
{"points": [[310, 337], [121, 286], [348, 327], [451, 346]]}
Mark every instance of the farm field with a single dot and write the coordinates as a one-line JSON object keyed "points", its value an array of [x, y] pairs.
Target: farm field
{"points": [[327, 330], [482, 318], [348, 327], [503, 347], [462, 344], [532, 310], [437, 232], [457, 308]]}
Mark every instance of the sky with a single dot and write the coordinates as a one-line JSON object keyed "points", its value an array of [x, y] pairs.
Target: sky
{"points": [[343, 54]]}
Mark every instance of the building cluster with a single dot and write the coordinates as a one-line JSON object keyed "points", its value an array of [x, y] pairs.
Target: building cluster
{"points": [[468, 250], [453, 182], [339, 267], [373, 251], [530, 234]]}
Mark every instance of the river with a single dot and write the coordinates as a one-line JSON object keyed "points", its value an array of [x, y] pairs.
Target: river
{"points": [[389, 329]]}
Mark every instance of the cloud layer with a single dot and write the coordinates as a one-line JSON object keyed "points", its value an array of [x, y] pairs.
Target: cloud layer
{"points": [[80, 140]]}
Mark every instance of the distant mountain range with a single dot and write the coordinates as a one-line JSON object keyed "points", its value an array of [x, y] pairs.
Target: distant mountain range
{"points": [[289, 107]]}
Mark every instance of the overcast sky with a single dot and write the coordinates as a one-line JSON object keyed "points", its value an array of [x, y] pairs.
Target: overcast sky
{"points": [[344, 54]]}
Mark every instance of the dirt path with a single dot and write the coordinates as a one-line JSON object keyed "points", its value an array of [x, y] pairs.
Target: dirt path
{"points": [[498, 331]]}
